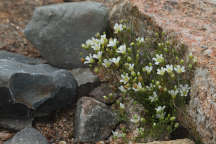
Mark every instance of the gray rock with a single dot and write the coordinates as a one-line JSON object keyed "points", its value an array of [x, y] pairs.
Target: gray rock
{"points": [[84, 76], [94, 121], [86, 80], [19, 58], [104, 90], [58, 31], [38, 88], [28, 136], [15, 124]]}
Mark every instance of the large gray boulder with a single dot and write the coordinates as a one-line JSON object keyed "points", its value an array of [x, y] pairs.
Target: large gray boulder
{"points": [[19, 58], [28, 136], [39, 88], [58, 31], [94, 121]]}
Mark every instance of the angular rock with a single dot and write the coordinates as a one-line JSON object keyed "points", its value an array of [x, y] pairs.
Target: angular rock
{"points": [[104, 90], [41, 88], [84, 76], [19, 58], [28, 136], [86, 80], [94, 121], [58, 31], [15, 124], [180, 141]]}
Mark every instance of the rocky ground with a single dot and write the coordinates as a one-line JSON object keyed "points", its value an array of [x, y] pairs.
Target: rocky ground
{"points": [[50, 109]]}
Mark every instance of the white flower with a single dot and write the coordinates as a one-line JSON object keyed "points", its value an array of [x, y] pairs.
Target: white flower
{"points": [[112, 42], [93, 43], [138, 87], [140, 39], [125, 78], [103, 36], [173, 93], [89, 59], [160, 109], [121, 49], [135, 119], [194, 59], [106, 63], [118, 28], [89, 43], [169, 68], [158, 59], [154, 97], [150, 87], [179, 69], [98, 55], [148, 69], [190, 55], [96, 46], [131, 67], [103, 39], [161, 71], [115, 60], [122, 89], [122, 106], [184, 89], [118, 134]]}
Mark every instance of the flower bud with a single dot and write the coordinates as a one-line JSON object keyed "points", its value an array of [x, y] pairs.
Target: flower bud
{"points": [[143, 120], [172, 118], [172, 75], [176, 125], [190, 66], [168, 43], [182, 61], [129, 59], [133, 73], [96, 69], [157, 83], [129, 50], [132, 44], [173, 96], [97, 35], [194, 60], [157, 34], [105, 97], [110, 95]]}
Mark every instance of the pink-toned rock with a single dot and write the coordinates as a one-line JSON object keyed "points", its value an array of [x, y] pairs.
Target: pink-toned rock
{"points": [[180, 141], [193, 23], [5, 135]]}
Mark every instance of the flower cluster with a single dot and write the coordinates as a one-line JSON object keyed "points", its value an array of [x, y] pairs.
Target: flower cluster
{"points": [[155, 77]]}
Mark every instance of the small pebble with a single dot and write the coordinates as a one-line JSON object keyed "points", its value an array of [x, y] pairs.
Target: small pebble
{"points": [[62, 142]]}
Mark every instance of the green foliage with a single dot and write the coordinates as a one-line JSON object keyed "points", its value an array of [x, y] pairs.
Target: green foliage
{"points": [[154, 71]]}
